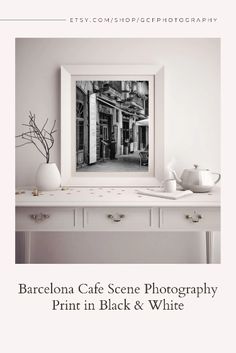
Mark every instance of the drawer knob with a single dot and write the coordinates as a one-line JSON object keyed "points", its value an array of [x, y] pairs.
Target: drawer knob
{"points": [[116, 218], [40, 217], [195, 218]]}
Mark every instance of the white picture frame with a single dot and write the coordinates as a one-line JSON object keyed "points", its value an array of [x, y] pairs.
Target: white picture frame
{"points": [[155, 75]]}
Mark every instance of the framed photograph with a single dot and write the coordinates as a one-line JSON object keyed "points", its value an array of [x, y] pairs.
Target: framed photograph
{"points": [[111, 125]]}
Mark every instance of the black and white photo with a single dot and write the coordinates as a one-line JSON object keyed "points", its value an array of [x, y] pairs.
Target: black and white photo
{"points": [[112, 126]]}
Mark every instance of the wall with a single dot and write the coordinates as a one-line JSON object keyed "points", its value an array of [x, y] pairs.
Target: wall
{"points": [[191, 97]]}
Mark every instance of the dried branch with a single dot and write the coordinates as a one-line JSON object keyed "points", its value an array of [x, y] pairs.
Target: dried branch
{"points": [[42, 139]]}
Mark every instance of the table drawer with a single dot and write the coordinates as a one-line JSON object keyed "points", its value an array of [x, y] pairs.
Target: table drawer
{"points": [[189, 218], [115, 218], [45, 218]]}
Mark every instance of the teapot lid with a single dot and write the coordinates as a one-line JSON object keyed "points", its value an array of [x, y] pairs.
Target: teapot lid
{"points": [[197, 168]]}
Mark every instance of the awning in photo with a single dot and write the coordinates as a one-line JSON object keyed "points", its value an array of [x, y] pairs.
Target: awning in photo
{"points": [[144, 122]]}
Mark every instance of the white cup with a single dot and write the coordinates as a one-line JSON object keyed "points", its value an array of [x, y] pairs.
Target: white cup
{"points": [[170, 185]]}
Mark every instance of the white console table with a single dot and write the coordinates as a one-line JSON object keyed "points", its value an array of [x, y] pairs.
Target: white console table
{"points": [[116, 209]]}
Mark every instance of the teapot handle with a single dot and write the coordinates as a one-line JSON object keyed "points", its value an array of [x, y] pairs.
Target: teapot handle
{"points": [[218, 179]]}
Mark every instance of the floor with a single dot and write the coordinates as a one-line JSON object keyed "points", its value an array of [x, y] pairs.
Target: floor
{"points": [[124, 163]]}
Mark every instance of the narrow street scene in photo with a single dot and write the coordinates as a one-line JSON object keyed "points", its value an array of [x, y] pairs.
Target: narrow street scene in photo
{"points": [[112, 126]]}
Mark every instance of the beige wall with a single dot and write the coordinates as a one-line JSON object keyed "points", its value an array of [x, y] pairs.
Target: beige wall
{"points": [[191, 97]]}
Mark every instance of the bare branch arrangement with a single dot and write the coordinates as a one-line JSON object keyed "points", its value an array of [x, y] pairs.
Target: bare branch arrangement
{"points": [[42, 139]]}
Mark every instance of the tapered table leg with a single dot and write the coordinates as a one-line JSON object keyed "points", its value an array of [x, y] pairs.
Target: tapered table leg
{"points": [[209, 247], [27, 247]]}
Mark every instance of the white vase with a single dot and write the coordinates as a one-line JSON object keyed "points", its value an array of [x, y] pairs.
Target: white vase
{"points": [[48, 177]]}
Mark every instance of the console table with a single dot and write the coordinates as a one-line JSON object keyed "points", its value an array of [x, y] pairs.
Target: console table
{"points": [[116, 209]]}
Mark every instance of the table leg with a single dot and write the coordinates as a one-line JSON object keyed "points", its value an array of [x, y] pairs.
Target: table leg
{"points": [[209, 247], [27, 247]]}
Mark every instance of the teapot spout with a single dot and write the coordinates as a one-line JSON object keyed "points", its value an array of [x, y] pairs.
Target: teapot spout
{"points": [[178, 180]]}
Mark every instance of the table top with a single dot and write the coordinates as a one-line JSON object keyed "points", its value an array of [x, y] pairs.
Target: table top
{"points": [[112, 197]]}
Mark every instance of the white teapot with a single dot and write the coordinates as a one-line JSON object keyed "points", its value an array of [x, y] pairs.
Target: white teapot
{"points": [[196, 179]]}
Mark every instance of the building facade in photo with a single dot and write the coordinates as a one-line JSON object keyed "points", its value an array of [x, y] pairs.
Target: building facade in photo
{"points": [[107, 113]]}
